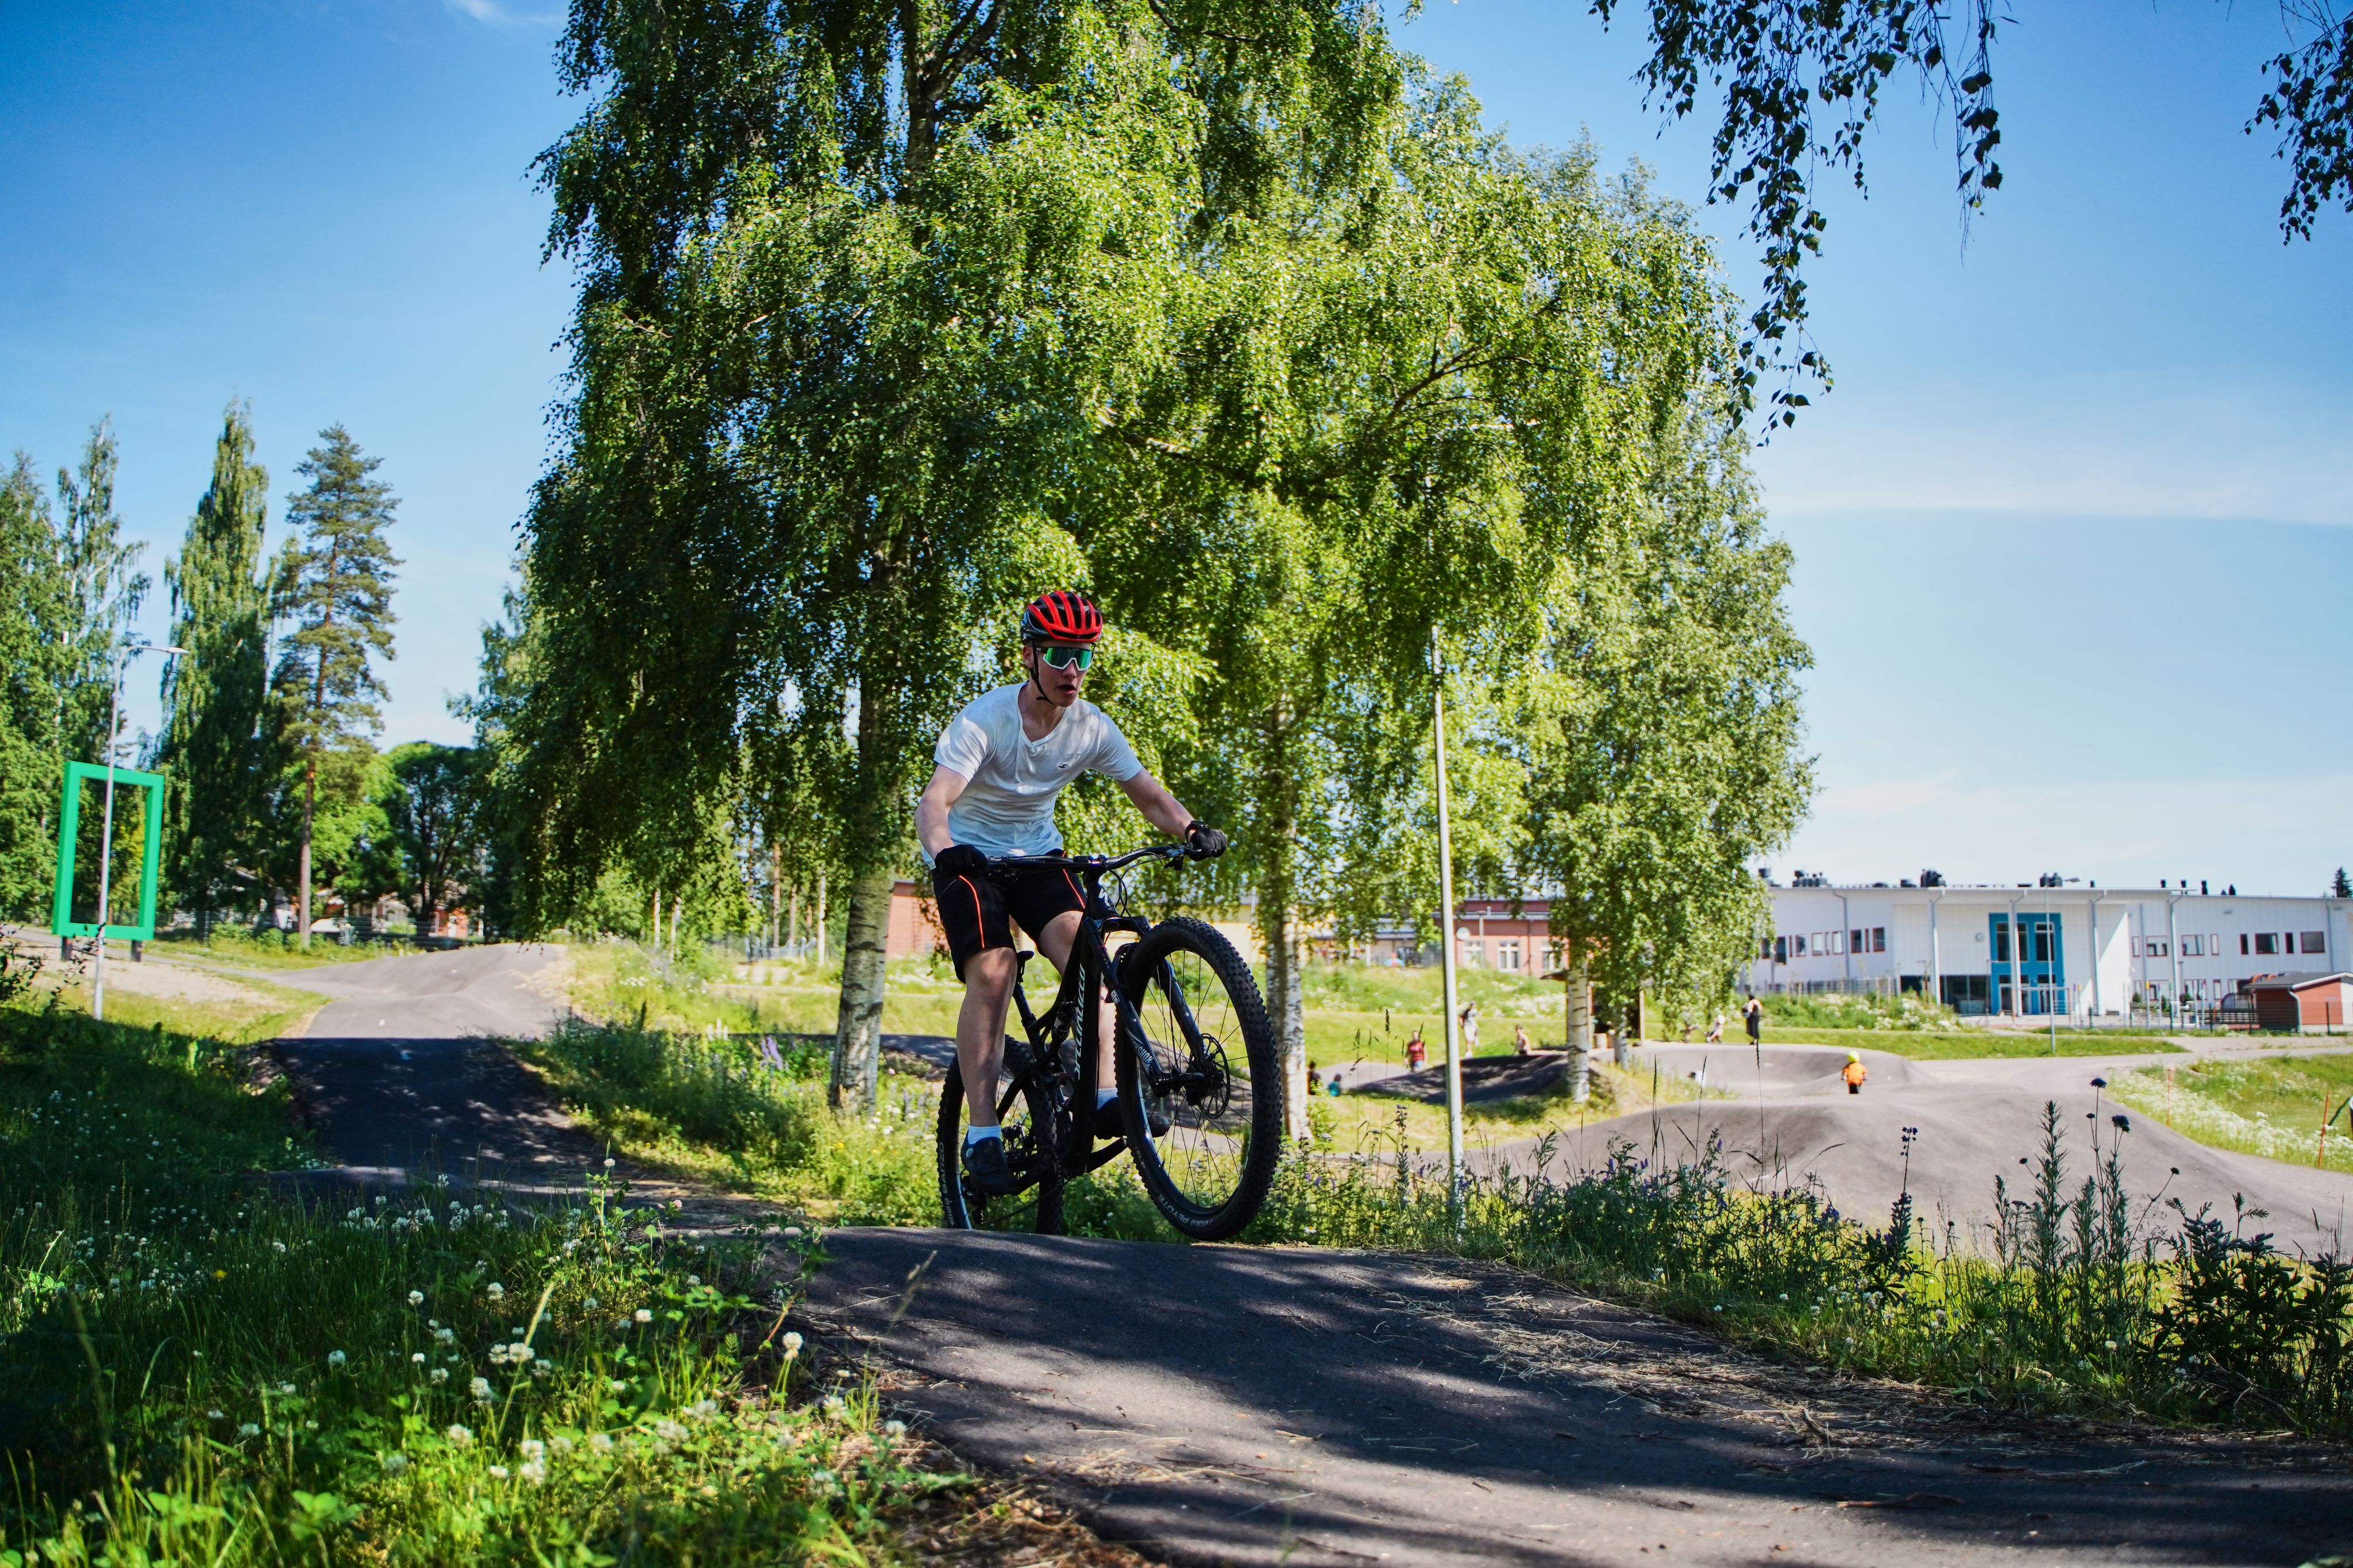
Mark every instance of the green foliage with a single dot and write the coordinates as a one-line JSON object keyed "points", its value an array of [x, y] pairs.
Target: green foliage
{"points": [[32, 652], [432, 808], [102, 593], [212, 746], [1909, 1010], [199, 1369], [2270, 1106]]}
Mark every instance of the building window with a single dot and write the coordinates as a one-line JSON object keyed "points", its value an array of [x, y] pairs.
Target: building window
{"points": [[1507, 956], [2242, 944], [2316, 941], [1838, 941], [2191, 947], [1879, 939], [1797, 946], [1781, 949], [2267, 942]]}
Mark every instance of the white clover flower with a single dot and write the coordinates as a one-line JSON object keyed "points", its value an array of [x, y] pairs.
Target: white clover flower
{"points": [[446, 1336], [793, 1344], [416, 1298], [498, 1472], [615, 1386], [560, 1444], [417, 1356], [668, 1431], [459, 1436], [543, 1367], [643, 1315], [480, 1389], [277, 1246], [532, 1448], [360, 1213], [440, 1375], [336, 1358], [535, 1472], [394, 1463], [821, 1477], [248, 1429], [894, 1428], [703, 1409], [694, 1279], [285, 1388], [608, 1164], [495, 1291], [832, 1406], [589, 1305], [600, 1442], [215, 1416]]}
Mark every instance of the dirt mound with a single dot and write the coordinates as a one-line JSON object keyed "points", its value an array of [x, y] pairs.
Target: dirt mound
{"points": [[1484, 1079]]}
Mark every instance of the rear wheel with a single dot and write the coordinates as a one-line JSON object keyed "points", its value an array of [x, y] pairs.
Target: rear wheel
{"points": [[1032, 1132], [1196, 1048]]}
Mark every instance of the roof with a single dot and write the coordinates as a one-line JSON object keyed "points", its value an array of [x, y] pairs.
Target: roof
{"points": [[2298, 983]]}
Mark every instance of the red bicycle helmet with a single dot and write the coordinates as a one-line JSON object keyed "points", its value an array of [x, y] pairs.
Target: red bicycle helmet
{"points": [[1062, 617]]}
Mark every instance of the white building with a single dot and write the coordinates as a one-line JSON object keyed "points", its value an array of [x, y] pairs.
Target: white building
{"points": [[2086, 950]]}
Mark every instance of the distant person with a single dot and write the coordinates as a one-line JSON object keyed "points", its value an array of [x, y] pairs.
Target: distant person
{"points": [[1333, 1089], [1469, 1022], [1417, 1051], [1855, 1073], [1715, 1029], [1521, 1045], [1753, 1015]]}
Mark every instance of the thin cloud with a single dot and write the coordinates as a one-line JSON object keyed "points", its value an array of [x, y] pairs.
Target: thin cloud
{"points": [[495, 14]]}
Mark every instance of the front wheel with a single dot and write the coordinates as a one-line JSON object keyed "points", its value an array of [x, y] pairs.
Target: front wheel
{"points": [[1030, 1121], [1197, 1053]]}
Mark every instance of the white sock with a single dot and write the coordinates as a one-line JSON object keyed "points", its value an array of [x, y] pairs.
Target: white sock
{"points": [[972, 1135], [1104, 1096]]}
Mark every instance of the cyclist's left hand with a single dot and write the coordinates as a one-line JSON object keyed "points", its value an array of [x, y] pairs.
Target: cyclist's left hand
{"points": [[1203, 842]]}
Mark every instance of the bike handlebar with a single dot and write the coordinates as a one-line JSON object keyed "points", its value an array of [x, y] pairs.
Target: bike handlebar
{"points": [[1101, 865]]}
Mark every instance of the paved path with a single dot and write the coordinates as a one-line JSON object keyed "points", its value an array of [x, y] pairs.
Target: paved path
{"points": [[1231, 1405], [1979, 1118]]}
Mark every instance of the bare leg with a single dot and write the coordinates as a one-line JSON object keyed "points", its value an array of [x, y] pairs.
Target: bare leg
{"points": [[1055, 941], [980, 1028]]}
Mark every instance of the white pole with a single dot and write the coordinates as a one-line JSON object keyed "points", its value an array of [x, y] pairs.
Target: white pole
{"points": [[106, 831], [106, 838], [1446, 951]]}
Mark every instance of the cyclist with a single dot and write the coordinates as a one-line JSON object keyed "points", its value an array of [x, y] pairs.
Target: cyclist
{"points": [[1002, 762]]}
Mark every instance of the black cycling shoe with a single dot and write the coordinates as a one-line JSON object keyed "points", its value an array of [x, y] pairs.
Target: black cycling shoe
{"points": [[986, 1173]]}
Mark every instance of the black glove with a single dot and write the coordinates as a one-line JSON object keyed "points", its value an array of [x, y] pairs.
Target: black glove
{"points": [[1203, 842], [959, 860]]}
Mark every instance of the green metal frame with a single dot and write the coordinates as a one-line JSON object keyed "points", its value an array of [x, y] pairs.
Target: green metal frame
{"points": [[150, 857]]}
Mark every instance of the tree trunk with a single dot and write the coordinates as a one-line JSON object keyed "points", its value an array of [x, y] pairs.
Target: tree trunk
{"points": [[793, 920], [303, 859], [776, 895], [1284, 1000], [1581, 1023], [820, 920], [858, 1036], [653, 932]]}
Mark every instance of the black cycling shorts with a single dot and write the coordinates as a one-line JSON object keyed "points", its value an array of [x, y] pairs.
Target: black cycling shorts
{"points": [[979, 911]]}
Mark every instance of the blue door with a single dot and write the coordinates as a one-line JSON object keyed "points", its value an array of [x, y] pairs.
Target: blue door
{"points": [[2040, 961]]}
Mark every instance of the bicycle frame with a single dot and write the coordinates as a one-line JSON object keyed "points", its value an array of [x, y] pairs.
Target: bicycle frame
{"points": [[1077, 1009]]}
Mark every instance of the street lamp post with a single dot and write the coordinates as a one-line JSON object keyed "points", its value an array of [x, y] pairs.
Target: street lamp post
{"points": [[1446, 931], [105, 830]]}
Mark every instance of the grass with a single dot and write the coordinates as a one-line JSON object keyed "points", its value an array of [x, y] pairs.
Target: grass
{"points": [[2078, 1305], [2270, 1106], [198, 1368], [269, 950]]}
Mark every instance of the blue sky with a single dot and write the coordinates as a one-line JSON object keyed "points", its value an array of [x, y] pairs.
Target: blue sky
{"points": [[2074, 531]]}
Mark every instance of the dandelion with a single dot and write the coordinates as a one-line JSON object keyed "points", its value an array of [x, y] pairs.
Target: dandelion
{"points": [[459, 1436], [416, 1298], [220, 1273], [394, 1464], [495, 1291], [643, 1315], [336, 1358]]}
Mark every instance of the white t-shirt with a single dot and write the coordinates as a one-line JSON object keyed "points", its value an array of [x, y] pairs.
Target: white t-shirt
{"points": [[1011, 781]]}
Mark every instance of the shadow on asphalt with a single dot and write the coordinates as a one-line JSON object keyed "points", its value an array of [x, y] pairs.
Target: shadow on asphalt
{"points": [[1248, 1405]]}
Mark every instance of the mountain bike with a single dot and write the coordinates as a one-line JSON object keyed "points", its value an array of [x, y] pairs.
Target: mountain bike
{"points": [[1198, 1088]]}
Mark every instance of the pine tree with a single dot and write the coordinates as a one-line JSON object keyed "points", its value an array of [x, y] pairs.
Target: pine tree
{"points": [[32, 628], [2342, 887], [213, 698], [103, 594], [334, 582]]}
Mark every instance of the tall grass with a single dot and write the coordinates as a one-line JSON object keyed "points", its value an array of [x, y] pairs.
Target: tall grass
{"points": [[194, 1368], [2076, 1303]]}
